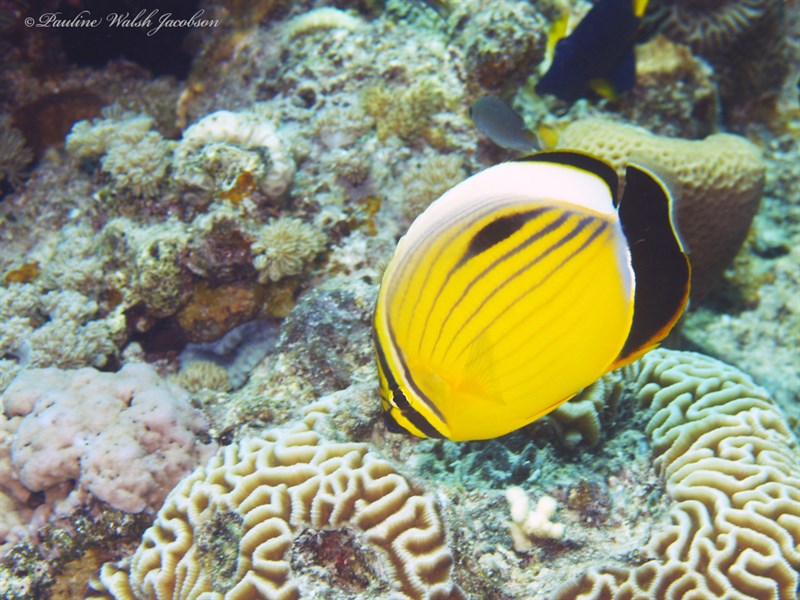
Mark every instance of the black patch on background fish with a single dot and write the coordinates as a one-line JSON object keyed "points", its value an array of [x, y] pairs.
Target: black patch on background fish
{"points": [[579, 160], [660, 267], [600, 47]]}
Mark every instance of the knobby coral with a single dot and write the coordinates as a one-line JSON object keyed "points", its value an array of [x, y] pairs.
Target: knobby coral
{"points": [[228, 530], [730, 463], [124, 438]]}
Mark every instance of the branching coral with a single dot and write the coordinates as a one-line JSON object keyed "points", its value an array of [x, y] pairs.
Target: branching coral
{"points": [[228, 529], [730, 463], [529, 524]]}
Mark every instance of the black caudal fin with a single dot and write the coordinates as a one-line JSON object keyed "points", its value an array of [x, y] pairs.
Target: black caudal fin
{"points": [[660, 265]]}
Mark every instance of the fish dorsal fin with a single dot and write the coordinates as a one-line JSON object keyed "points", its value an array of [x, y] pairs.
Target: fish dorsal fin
{"points": [[660, 265], [580, 160]]}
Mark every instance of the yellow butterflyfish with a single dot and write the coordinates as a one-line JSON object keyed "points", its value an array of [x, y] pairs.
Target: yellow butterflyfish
{"points": [[519, 287]]}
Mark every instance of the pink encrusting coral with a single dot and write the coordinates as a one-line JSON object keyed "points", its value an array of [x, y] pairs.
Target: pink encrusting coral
{"points": [[125, 438]]}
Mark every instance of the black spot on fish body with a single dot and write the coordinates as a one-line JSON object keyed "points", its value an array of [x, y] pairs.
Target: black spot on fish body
{"points": [[498, 230]]}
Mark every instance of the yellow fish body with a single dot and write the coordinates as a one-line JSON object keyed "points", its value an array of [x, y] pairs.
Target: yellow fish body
{"points": [[519, 287]]}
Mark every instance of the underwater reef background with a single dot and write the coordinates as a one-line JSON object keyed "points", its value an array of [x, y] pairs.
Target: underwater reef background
{"points": [[193, 228]]}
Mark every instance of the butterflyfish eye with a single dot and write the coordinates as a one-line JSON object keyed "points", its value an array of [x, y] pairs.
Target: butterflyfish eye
{"points": [[519, 287]]}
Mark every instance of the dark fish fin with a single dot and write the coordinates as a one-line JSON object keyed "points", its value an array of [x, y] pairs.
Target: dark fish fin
{"points": [[660, 265], [580, 160], [497, 120]]}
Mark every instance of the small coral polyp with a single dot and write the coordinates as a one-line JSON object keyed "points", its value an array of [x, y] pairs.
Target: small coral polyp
{"points": [[284, 247], [260, 495]]}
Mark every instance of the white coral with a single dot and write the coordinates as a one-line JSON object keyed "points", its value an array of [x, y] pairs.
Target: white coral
{"points": [[730, 463], [124, 438], [528, 525], [244, 130]]}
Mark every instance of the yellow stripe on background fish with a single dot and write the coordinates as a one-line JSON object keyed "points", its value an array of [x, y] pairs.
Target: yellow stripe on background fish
{"points": [[558, 31], [509, 294], [639, 7]]}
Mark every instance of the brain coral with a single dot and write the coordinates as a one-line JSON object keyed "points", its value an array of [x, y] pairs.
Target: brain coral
{"points": [[731, 466], [230, 529], [718, 182]]}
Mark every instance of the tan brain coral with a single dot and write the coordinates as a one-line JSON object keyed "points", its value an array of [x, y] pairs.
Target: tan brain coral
{"points": [[719, 183], [731, 466], [228, 530]]}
